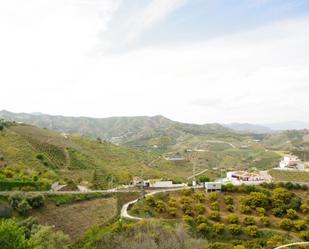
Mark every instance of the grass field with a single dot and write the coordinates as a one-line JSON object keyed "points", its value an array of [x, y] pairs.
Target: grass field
{"points": [[76, 218], [283, 175]]}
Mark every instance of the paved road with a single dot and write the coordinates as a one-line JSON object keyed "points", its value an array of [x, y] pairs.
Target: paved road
{"points": [[124, 210]]}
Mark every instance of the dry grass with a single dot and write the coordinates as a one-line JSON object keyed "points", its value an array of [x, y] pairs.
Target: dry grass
{"points": [[75, 219]]}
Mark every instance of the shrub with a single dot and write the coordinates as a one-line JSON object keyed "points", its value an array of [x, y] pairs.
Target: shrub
{"points": [[249, 220], [286, 224], [304, 208], [213, 196], [230, 208], [187, 209], [214, 205], [228, 200], [23, 207], [188, 220], [234, 229], [265, 220], [201, 219], [150, 200], [203, 228], [218, 228], [291, 214], [304, 235], [214, 215], [200, 208], [15, 199], [160, 206], [245, 209], [300, 225], [36, 200], [40, 157], [232, 219], [12, 236], [260, 211], [251, 231], [278, 212], [200, 196], [256, 199], [186, 191], [172, 211], [172, 202], [186, 200]]}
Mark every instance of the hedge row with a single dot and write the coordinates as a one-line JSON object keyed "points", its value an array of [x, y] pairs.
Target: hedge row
{"points": [[22, 185]]}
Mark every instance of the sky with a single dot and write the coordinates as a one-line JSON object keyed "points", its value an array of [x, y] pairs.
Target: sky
{"points": [[197, 61]]}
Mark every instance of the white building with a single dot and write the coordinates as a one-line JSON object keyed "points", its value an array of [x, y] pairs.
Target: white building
{"points": [[213, 186], [293, 163], [244, 178]]}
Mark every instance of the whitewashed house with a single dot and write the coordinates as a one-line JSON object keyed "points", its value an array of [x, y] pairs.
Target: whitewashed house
{"points": [[213, 186], [293, 163], [244, 178]]}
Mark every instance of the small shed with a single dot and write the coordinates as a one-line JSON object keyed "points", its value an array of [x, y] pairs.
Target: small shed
{"points": [[213, 186]]}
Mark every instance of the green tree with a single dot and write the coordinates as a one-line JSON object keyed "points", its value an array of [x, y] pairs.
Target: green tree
{"points": [[203, 179], [46, 238], [232, 219], [265, 220], [300, 225], [291, 214], [234, 229], [218, 228], [228, 200], [160, 206], [23, 207], [200, 208], [251, 231], [215, 206], [248, 220], [213, 196], [203, 228], [304, 235], [214, 215], [286, 224], [12, 236]]}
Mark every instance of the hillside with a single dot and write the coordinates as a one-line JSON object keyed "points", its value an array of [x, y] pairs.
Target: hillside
{"points": [[133, 131], [32, 154]]}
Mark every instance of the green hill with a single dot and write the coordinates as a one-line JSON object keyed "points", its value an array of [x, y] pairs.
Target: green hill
{"points": [[28, 153]]}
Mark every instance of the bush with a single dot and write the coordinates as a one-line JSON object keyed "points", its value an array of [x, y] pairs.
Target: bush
{"points": [[203, 228], [278, 212], [23, 207], [172, 202], [14, 199], [187, 209], [304, 208], [215, 206], [265, 220], [260, 211], [200, 196], [12, 236], [286, 224], [251, 231], [232, 219], [213, 196], [249, 220], [218, 228], [304, 235], [228, 200], [300, 225], [214, 215], [186, 191], [291, 214], [160, 206], [256, 199], [36, 200], [201, 219], [172, 211], [150, 200], [230, 208], [245, 209], [200, 208], [234, 229], [186, 200]]}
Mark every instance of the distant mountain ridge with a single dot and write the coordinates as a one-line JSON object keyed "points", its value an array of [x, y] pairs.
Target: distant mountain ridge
{"points": [[120, 130], [249, 128]]}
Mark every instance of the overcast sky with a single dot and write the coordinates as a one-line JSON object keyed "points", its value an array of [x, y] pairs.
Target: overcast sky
{"points": [[190, 60]]}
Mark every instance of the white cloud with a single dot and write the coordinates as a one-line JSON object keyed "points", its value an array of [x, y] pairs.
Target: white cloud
{"points": [[48, 65]]}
